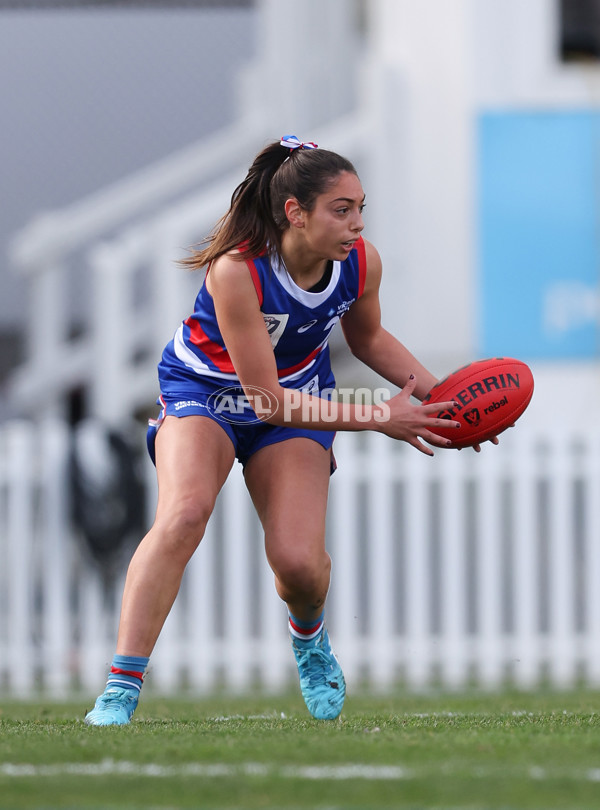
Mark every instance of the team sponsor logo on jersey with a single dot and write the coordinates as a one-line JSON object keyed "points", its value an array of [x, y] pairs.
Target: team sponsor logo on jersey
{"points": [[342, 308], [275, 326], [188, 403]]}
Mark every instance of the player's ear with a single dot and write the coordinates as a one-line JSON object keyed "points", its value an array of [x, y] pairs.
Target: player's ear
{"points": [[294, 213]]}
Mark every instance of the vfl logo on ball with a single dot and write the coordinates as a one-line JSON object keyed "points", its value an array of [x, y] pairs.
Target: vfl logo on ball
{"points": [[234, 405], [472, 417]]}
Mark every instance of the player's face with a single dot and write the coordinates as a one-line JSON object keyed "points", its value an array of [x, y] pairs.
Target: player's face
{"points": [[335, 223]]}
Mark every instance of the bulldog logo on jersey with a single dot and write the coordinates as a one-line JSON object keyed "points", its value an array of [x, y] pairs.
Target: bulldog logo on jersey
{"points": [[275, 326]]}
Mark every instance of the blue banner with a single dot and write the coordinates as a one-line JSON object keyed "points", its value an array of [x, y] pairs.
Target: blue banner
{"points": [[539, 234]]}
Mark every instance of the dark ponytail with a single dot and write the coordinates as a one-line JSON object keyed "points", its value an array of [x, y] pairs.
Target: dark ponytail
{"points": [[256, 217]]}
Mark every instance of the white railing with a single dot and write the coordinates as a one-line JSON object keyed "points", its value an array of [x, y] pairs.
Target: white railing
{"points": [[462, 569]]}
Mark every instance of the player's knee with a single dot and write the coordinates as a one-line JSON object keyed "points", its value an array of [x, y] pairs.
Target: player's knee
{"points": [[301, 575], [182, 525]]}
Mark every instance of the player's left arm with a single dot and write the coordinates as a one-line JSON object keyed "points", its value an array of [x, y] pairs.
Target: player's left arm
{"points": [[375, 346]]}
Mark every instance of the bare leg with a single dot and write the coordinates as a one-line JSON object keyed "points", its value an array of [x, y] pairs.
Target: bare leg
{"points": [[193, 458], [289, 484]]}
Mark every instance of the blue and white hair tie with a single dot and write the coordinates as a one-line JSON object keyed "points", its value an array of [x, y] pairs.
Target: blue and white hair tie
{"points": [[292, 142]]}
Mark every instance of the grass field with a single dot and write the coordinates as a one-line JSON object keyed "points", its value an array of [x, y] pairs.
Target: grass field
{"points": [[436, 751]]}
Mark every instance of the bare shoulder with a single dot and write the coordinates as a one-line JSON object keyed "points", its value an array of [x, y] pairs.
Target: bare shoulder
{"points": [[229, 274], [371, 253], [228, 264], [374, 267]]}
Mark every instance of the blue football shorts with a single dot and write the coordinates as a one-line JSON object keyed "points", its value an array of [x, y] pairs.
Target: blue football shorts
{"points": [[234, 414]]}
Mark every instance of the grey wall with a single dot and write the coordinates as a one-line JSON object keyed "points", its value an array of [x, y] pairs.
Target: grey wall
{"points": [[90, 95]]}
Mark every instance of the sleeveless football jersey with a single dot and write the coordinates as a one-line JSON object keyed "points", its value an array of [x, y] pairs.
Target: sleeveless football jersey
{"points": [[299, 324]]}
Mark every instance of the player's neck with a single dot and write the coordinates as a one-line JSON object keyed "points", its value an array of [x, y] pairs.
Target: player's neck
{"points": [[303, 265]]}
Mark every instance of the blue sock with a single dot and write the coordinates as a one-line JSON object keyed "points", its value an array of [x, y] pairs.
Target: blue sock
{"points": [[306, 634], [127, 672]]}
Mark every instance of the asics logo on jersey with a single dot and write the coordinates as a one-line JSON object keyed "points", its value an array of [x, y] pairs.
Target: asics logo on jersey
{"points": [[305, 327]]}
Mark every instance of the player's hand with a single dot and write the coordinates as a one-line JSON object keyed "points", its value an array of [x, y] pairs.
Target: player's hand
{"points": [[412, 423], [493, 440], [477, 447]]}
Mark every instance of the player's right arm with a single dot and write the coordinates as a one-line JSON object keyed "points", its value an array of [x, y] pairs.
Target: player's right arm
{"points": [[249, 347]]}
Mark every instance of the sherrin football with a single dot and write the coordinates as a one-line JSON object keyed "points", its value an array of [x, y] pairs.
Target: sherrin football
{"points": [[490, 396]]}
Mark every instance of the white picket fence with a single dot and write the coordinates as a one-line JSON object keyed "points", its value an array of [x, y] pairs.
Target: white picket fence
{"points": [[462, 569]]}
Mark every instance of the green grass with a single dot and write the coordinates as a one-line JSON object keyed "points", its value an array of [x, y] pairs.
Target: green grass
{"points": [[435, 751]]}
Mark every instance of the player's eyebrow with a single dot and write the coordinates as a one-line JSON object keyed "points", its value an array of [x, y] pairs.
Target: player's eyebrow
{"points": [[348, 199]]}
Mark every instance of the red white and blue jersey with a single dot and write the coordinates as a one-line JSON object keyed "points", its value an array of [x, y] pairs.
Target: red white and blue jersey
{"points": [[299, 324]]}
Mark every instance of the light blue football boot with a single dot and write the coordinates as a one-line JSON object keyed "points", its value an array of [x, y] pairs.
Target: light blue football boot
{"points": [[321, 678], [114, 707]]}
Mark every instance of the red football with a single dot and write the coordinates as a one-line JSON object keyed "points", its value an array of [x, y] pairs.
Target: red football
{"points": [[489, 394]]}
